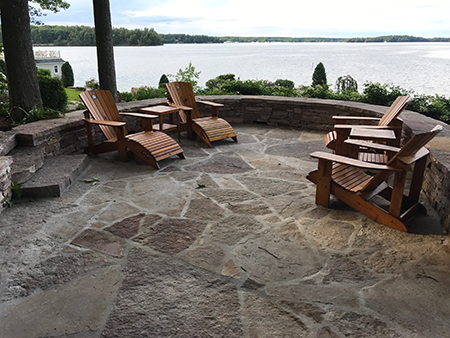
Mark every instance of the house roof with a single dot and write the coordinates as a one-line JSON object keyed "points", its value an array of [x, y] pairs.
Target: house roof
{"points": [[50, 60]]}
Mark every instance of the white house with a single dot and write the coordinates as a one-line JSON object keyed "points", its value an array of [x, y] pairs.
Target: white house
{"points": [[49, 59]]}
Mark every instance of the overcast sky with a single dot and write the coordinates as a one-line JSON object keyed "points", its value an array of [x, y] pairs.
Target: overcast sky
{"points": [[289, 18]]}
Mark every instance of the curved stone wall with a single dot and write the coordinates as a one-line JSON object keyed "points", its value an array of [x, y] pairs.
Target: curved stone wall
{"points": [[316, 114], [67, 135]]}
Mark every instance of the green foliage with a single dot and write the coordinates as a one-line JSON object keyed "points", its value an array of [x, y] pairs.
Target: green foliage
{"points": [[53, 93], [3, 84], [92, 84], [319, 76], [188, 75], [162, 81], [67, 75], [288, 84], [437, 107], [384, 95], [346, 83], [216, 83], [42, 72], [16, 190], [143, 93], [2, 66], [35, 114], [227, 85], [125, 96], [317, 91], [50, 5], [247, 87], [85, 36]]}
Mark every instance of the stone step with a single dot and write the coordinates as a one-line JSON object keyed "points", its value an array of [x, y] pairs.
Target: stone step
{"points": [[56, 175], [8, 141], [26, 162]]}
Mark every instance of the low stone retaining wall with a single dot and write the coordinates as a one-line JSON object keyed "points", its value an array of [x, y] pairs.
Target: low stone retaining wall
{"points": [[67, 135], [5, 179]]}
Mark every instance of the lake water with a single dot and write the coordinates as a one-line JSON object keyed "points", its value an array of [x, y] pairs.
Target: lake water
{"points": [[422, 67]]}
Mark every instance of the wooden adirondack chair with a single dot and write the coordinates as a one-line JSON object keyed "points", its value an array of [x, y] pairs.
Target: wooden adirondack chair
{"points": [[148, 146], [208, 129], [344, 178], [388, 130]]}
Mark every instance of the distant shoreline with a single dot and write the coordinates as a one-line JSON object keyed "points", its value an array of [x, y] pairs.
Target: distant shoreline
{"points": [[85, 36]]}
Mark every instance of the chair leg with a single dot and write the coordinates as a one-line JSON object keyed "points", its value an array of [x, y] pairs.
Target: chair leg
{"points": [[397, 194], [417, 179], [324, 183], [234, 138]]}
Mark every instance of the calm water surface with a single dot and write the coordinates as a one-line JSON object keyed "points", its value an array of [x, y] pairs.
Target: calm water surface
{"points": [[422, 67]]}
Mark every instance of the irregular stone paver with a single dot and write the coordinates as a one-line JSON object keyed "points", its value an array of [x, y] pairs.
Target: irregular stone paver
{"points": [[160, 297], [101, 241], [266, 319], [226, 243], [233, 229], [225, 163], [271, 259], [409, 295], [126, 228], [172, 236], [78, 306], [204, 208]]}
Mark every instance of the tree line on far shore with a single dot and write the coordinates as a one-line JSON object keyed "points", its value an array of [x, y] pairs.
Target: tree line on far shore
{"points": [[85, 36]]}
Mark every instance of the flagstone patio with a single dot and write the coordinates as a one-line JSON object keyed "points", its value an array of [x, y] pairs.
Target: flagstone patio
{"points": [[226, 243]]}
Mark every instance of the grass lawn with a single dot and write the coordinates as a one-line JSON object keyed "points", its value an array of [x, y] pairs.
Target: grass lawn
{"points": [[72, 94]]}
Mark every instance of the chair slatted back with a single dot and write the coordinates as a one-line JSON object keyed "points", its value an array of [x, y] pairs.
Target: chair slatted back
{"points": [[394, 110], [101, 106], [409, 149], [182, 94]]}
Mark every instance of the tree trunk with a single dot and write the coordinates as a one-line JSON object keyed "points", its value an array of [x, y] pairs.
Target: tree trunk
{"points": [[105, 49], [19, 57]]}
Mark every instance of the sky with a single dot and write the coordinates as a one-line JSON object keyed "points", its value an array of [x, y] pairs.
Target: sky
{"points": [[286, 18]]}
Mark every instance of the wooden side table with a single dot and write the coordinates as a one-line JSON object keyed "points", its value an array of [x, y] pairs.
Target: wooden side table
{"points": [[160, 111]]}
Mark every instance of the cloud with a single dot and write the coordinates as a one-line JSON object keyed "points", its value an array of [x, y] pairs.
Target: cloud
{"points": [[277, 18]]}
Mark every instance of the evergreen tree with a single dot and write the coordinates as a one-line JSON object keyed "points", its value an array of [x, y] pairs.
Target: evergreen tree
{"points": [[67, 75], [162, 81], [319, 76]]}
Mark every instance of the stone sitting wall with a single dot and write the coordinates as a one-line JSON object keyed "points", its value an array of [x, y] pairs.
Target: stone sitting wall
{"points": [[5, 179], [68, 136]]}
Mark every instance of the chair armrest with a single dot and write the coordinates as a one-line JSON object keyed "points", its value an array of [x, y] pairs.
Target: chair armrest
{"points": [[143, 116], [181, 107], [106, 123], [209, 103], [359, 118], [418, 155], [351, 161], [358, 126], [372, 145]]}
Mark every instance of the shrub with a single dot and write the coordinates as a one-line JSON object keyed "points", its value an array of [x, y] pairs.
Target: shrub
{"points": [[188, 75], [247, 87], [143, 93], [319, 76], [125, 96], [285, 83], [217, 82], [67, 75], [317, 91], [42, 72], [53, 93], [346, 83], [92, 84]]}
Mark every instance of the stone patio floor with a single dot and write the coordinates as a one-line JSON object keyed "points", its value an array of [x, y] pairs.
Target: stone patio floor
{"points": [[226, 243]]}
